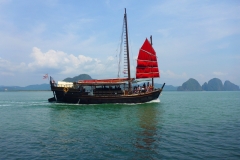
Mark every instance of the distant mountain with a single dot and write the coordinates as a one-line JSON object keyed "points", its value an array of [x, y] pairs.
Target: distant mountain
{"points": [[190, 85], [229, 86], [205, 87], [166, 87], [77, 78], [215, 84], [10, 88], [39, 87], [43, 87]]}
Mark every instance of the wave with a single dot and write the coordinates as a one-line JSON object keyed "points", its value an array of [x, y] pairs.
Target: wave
{"points": [[154, 101]]}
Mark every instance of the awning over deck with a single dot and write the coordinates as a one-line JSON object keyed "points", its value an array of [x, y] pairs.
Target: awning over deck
{"points": [[99, 82]]}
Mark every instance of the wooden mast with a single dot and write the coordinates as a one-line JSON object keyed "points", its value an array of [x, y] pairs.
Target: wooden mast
{"points": [[151, 44], [127, 47]]}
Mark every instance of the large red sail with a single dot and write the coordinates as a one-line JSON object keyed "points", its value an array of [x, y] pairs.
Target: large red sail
{"points": [[147, 66]]}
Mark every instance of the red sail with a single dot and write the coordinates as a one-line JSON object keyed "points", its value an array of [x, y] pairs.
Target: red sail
{"points": [[147, 66]]}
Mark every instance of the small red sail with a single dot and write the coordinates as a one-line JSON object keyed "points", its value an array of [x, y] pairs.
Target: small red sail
{"points": [[147, 66]]}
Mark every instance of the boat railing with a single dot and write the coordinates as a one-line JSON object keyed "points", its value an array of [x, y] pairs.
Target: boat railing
{"points": [[65, 85], [107, 92]]}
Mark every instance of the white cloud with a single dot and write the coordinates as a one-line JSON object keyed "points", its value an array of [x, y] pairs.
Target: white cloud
{"points": [[219, 73], [5, 68], [61, 63], [6, 73], [53, 59], [194, 25], [9, 68], [110, 58], [171, 74], [185, 33], [67, 63]]}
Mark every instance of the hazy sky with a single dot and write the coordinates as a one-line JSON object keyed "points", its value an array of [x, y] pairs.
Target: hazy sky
{"points": [[193, 39]]}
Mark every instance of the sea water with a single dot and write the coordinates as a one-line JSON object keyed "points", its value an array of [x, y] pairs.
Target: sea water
{"points": [[180, 125]]}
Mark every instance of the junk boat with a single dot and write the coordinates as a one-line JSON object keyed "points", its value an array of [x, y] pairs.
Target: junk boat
{"points": [[115, 90]]}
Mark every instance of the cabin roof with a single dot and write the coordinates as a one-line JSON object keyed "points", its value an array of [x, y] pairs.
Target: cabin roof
{"points": [[101, 82]]}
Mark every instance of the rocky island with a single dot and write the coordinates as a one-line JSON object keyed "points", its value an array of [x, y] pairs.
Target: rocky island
{"points": [[214, 84], [190, 85]]}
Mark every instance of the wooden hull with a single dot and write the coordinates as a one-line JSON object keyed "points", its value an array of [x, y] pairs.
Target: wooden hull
{"points": [[76, 97]]}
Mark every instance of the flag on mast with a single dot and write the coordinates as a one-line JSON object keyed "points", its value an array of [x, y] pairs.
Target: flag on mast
{"points": [[45, 76]]}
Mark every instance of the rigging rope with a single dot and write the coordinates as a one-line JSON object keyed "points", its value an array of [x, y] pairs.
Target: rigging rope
{"points": [[120, 53], [133, 61]]}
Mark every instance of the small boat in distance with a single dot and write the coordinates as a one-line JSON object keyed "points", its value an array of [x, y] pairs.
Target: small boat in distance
{"points": [[115, 90]]}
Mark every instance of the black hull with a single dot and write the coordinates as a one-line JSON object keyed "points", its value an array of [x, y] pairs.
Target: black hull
{"points": [[76, 97]]}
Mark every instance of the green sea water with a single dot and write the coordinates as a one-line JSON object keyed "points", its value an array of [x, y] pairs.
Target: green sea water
{"points": [[184, 125]]}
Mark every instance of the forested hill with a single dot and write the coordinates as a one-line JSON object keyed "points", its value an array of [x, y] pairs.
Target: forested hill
{"points": [[77, 78]]}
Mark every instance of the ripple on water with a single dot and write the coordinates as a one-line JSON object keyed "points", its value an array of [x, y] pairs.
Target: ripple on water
{"points": [[185, 125]]}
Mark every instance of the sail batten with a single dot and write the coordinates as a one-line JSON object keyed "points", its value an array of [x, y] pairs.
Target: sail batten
{"points": [[147, 65], [148, 52]]}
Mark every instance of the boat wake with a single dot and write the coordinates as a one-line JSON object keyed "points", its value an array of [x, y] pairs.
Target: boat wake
{"points": [[154, 101]]}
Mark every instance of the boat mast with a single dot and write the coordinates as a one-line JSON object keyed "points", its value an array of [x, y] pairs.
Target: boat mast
{"points": [[151, 44], [127, 48]]}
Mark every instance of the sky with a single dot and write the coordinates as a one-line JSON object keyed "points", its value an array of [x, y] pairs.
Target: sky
{"points": [[197, 39]]}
